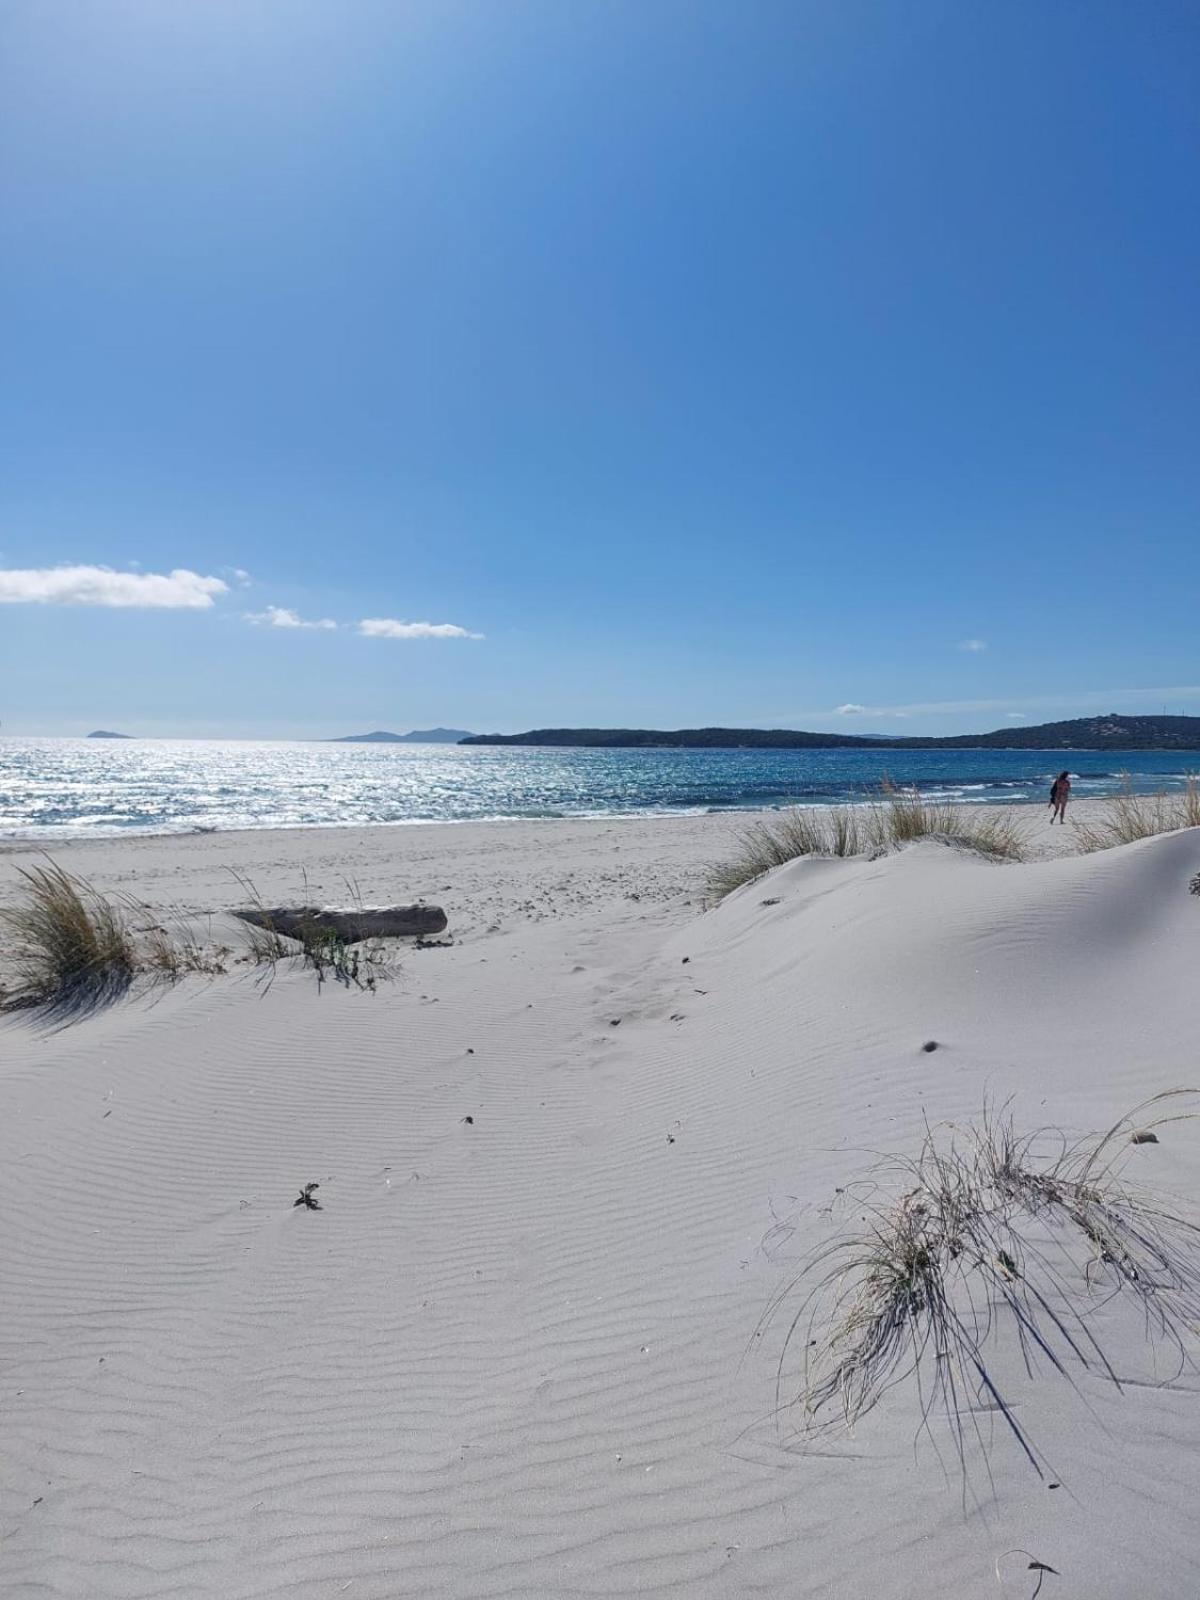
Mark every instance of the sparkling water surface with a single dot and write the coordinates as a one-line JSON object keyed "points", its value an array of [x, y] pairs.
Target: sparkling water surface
{"points": [[94, 788]]}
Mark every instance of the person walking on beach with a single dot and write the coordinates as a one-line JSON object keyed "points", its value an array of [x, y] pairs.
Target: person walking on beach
{"points": [[1060, 793]]}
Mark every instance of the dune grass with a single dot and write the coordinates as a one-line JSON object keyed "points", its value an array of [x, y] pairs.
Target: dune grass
{"points": [[1128, 816], [73, 945], [172, 953], [837, 831], [263, 947], [905, 815], [990, 1233], [77, 948], [899, 817]]}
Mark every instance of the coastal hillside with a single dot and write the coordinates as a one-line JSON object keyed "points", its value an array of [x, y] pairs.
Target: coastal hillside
{"points": [[417, 736], [1112, 732], [679, 739]]}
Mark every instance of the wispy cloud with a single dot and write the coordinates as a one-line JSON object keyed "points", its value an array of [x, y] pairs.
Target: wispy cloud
{"points": [[180, 590], [853, 710], [282, 617], [1015, 716], [369, 627], [1067, 704], [389, 628], [974, 646]]}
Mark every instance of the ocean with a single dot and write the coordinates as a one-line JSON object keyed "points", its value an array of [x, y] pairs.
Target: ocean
{"points": [[95, 788]]}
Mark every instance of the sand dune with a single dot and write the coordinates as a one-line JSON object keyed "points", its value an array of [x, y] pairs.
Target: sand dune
{"points": [[522, 1355]]}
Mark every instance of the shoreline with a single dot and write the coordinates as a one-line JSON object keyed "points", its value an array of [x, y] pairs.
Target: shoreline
{"points": [[507, 742], [15, 843], [483, 873], [55, 799]]}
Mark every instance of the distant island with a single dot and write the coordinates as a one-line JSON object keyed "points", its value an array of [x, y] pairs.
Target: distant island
{"points": [[105, 733], [417, 736], [1111, 732]]}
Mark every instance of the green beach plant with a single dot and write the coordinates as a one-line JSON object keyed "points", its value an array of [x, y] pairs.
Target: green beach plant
{"points": [[359, 964]]}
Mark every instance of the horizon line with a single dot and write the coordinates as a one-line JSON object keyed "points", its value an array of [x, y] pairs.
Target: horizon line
{"points": [[896, 738]]}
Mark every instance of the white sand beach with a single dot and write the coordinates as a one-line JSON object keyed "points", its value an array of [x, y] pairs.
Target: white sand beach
{"points": [[567, 1163]]}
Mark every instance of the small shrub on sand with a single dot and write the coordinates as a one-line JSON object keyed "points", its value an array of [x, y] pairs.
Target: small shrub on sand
{"points": [[330, 955], [990, 1232], [902, 816], [1129, 816], [73, 945], [358, 965], [265, 947]]}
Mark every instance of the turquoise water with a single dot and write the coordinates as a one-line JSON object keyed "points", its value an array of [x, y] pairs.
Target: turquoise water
{"points": [[80, 788]]}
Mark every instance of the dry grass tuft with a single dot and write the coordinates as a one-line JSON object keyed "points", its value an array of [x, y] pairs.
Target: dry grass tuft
{"points": [[836, 831], [74, 947], [1132, 816], [905, 815], [77, 948], [991, 1231], [900, 817], [174, 953]]}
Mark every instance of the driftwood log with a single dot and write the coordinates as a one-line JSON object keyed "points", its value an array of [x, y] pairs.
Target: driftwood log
{"points": [[360, 922]]}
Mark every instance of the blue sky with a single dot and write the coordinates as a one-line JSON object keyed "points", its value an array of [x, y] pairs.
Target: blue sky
{"points": [[682, 362]]}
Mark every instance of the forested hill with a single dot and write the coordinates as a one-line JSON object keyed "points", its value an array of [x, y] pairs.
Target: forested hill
{"points": [[1111, 732], [1086, 733]]}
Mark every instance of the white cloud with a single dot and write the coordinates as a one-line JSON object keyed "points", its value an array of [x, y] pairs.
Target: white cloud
{"points": [[1069, 703], [282, 617], [242, 576], [1015, 716], [853, 710], [973, 645], [179, 590], [389, 628]]}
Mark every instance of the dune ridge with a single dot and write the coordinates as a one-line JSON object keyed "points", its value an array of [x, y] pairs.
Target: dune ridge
{"points": [[523, 1354]]}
